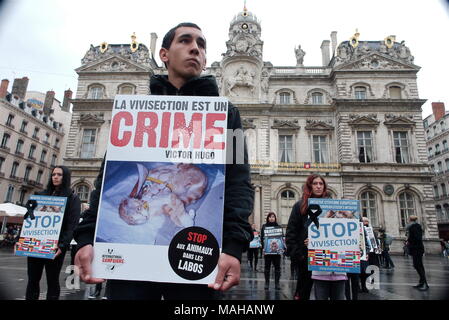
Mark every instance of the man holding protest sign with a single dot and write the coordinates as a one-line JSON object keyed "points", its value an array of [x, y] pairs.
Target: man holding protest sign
{"points": [[184, 54]]}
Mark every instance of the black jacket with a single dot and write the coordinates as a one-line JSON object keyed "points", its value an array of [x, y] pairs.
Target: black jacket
{"points": [[414, 240], [297, 232], [239, 194], [262, 232], [70, 219]]}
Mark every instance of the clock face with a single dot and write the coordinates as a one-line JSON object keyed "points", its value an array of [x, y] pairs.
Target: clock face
{"points": [[244, 26]]}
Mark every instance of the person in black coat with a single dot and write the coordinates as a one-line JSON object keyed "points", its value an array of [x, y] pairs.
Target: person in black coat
{"points": [[274, 259], [297, 233], [58, 185], [184, 54], [416, 250]]}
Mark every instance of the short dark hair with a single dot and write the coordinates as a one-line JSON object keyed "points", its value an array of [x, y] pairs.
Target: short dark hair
{"points": [[170, 35]]}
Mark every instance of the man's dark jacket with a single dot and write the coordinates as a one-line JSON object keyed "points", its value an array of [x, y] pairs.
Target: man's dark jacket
{"points": [[239, 194], [414, 240]]}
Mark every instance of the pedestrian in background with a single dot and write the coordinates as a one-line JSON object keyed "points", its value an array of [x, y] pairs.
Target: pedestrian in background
{"points": [[254, 247], [271, 258], [416, 250], [58, 185], [385, 241], [297, 233]]}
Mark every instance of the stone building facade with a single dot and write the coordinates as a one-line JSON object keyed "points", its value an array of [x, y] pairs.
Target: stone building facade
{"points": [[356, 120], [437, 138], [33, 129]]}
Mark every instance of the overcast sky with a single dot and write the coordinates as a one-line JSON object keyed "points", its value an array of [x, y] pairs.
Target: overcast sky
{"points": [[45, 40]]}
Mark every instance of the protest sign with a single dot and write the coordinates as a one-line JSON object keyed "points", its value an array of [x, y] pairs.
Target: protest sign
{"points": [[161, 206], [39, 237], [255, 243], [335, 245], [273, 240]]}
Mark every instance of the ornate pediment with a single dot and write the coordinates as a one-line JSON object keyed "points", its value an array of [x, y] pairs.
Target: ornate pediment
{"points": [[285, 125], [399, 121], [89, 119], [375, 61], [113, 63], [367, 120], [248, 123], [318, 125]]}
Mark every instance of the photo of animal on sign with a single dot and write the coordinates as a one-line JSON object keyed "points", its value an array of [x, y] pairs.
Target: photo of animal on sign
{"points": [[148, 203]]}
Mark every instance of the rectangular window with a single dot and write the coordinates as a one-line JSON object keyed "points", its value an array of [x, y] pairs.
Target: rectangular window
{"points": [[27, 173], [284, 98], [320, 154], [2, 161], [286, 151], [53, 160], [14, 167], [36, 131], [39, 176], [5, 140], [24, 126], [43, 155], [365, 146], [360, 93], [96, 93], [9, 120], [19, 146], [88, 143], [401, 148], [9, 194], [32, 150]]}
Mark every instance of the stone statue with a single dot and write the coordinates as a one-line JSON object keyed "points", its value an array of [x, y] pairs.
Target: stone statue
{"points": [[242, 78], [299, 53]]}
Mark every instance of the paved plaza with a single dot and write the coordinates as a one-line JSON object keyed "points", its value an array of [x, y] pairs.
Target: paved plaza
{"points": [[395, 284]]}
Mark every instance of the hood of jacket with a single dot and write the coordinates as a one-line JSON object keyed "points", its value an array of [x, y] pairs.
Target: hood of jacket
{"points": [[197, 86]]}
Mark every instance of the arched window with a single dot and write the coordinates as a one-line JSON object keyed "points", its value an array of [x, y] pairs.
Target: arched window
{"points": [[82, 191], [369, 207], [395, 92], [317, 98], [406, 207], [360, 93], [126, 89], [284, 98], [96, 92], [287, 201]]}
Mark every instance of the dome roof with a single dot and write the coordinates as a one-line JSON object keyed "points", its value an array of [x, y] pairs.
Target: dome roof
{"points": [[245, 16]]}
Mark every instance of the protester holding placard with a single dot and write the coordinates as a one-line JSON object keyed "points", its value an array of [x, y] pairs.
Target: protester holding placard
{"points": [[272, 247], [184, 55], [297, 233], [254, 247], [58, 185]]}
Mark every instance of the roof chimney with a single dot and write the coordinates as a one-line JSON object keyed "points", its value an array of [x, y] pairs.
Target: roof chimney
{"points": [[4, 88], [153, 43], [66, 101], [334, 42], [48, 103], [438, 110], [325, 52], [19, 87]]}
